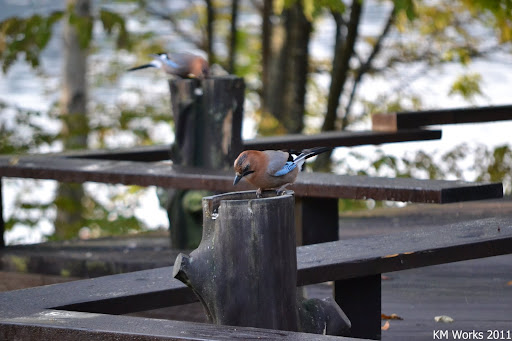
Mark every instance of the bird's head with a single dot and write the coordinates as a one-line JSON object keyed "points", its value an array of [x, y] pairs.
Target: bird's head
{"points": [[160, 56], [243, 166]]}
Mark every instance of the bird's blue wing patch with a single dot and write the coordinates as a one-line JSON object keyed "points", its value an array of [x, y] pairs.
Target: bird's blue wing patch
{"points": [[287, 168], [171, 63]]}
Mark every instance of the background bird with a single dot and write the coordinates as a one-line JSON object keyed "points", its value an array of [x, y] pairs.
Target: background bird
{"points": [[184, 65], [271, 169]]}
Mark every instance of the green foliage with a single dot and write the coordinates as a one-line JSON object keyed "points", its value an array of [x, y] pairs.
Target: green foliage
{"points": [[83, 25], [406, 7], [498, 14], [112, 21], [100, 220], [495, 165], [25, 38], [467, 86], [27, 132], [311, 8]]}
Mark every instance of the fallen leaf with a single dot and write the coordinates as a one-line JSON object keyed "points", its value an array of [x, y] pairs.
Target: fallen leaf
{"points": [[509, 283], [385, 278], [385, 326], [444, 319], [391, 256], [390, 317]]}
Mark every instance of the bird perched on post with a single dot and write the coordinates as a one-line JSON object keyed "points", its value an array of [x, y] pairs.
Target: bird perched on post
{"points": [[271, 169], [184, 65]]}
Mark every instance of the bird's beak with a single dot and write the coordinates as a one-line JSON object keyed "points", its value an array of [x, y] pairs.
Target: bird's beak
{"points": [[238, 177]]}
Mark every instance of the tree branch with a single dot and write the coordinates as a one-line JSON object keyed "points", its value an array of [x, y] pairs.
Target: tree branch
{"points": [[233, 38], [210, 19], [366, 66], [175, 26], [339, 74], [341, 66]]}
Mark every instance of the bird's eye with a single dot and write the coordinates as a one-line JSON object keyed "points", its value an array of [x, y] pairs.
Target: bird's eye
{"points": [[246, 168]]}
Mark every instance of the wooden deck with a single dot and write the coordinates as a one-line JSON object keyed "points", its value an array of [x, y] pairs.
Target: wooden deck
{"points": [[477, 294]]}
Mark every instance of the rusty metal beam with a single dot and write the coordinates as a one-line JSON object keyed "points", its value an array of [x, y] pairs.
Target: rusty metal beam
{"points": [[323, 185]]}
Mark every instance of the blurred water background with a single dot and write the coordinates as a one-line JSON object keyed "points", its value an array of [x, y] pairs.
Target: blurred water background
{"points": [[25, 88]]}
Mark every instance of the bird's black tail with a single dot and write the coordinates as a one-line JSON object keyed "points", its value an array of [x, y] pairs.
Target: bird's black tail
{"points": [[141, 67], [307, 153]]}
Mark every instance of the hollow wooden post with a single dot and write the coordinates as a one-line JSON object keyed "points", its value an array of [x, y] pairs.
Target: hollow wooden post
{"points": [[244, 271], [208, 124]]}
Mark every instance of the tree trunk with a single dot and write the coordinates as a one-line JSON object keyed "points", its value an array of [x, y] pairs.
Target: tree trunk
{"points": [[233, 37], [74, 118], [208, 125], [244, 272], [266, 52], [285, 99], [210, 19], [339, 75]]}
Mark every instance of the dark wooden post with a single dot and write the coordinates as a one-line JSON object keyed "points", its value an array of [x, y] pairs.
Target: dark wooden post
{"points": [[245, 269], [2, 222], [360, 298], [208, 124], [317, 220]]}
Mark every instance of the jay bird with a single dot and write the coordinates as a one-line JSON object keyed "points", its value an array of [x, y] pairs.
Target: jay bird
{"points": [[184, 65], [271, 169]]}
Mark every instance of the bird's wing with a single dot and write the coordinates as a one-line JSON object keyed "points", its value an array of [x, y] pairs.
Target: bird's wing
{"points": [[276, 161], [171, 63], [287, 168], [154, 63]]}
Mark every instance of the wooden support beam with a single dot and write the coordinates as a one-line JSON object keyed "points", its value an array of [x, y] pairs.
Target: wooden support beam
{"points": [[394, 122], [360, 299], [296, 142], [339, 139], [323, 185], [70, 309], [338, 260]]}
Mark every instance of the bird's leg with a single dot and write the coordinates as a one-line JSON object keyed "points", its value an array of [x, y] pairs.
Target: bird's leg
{"points": [[258, 193], [282, 190]]}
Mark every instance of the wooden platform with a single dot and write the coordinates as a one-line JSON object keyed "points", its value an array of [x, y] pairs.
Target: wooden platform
{"points": [[394, 122], [476, 293]]}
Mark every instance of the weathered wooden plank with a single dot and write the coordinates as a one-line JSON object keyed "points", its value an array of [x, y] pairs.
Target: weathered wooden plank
{"points": [[322, 185], [66, 325], [339, 260], [339, 139], [297, 142], [152, 289], [361, 257], [394, 122]]}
